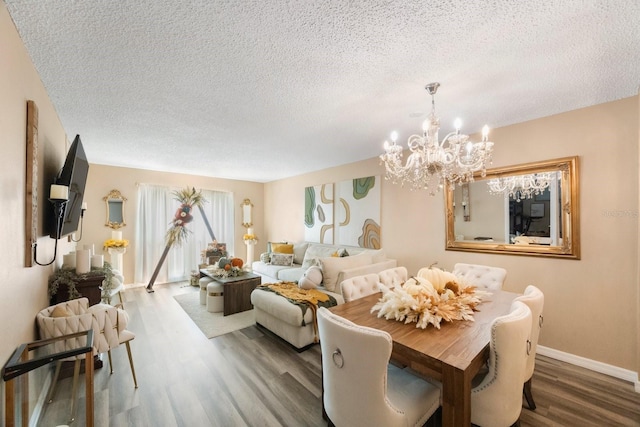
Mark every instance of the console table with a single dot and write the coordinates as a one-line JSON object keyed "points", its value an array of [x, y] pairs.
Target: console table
{"points": [[89, 287]]}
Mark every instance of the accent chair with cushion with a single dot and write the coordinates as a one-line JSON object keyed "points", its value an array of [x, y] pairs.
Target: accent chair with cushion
{"points": [[491, 278], [497, 400], [360, 387], [534, 298], [109, 331]]}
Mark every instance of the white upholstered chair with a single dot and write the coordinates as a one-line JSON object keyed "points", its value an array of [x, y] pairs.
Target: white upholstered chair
{"points": [[109, 331], [393, 277], [497, 400], [360, 387], [534, 298], [117, 286], [491, 278], [359, 286]]}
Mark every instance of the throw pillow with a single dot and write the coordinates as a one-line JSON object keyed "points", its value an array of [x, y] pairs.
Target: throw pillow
{"points": [[270, 245], [282, 248], [299, 249], [311, 278], [377, 255], [333, 267], [315, 252], [60, 311], [265, 257], [282, 259]]}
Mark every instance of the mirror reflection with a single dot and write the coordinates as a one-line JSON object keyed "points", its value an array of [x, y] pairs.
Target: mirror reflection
{"points": [[247, 207], [529, 209], [115, 209]]}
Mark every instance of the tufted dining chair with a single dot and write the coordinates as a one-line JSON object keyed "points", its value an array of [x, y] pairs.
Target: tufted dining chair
{"points": [[393, 277], [359, 286], [497, 400], [360, 387], [109, 331], [491, 278], [534, 299]]}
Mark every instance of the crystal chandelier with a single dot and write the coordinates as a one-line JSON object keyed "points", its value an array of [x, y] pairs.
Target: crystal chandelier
{"points": [[431, 162], [520, 187]]}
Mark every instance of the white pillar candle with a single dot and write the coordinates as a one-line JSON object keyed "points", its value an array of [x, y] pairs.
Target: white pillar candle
{"points": [[83, 261], [69, 260], [59, 192], [116, 235], [90, 248], [97, 261]]}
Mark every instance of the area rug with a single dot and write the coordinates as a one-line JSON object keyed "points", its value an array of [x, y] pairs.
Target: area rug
{"points": [[213, 324]]}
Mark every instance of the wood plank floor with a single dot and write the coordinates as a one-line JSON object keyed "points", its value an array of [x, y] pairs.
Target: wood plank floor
{"points": [[251, 378]]}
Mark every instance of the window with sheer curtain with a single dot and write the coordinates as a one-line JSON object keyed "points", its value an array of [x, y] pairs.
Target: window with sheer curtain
{"points": [[155, 210]]}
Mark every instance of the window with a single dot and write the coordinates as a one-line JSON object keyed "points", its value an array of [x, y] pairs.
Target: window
{"points": [[155, 210]]}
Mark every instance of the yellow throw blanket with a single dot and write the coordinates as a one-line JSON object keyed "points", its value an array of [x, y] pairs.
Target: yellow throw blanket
{"points": [[303, 298]]}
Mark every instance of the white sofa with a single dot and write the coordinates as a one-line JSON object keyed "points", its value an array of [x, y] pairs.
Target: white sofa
{"points": [[337, 269], [285, 319]]}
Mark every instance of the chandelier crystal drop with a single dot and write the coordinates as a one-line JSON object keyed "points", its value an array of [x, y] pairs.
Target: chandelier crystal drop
{"points": [[431, 162], [520, 187]]}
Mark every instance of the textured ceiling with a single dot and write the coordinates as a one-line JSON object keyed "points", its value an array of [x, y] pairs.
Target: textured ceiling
{"points": [[261, 90]]}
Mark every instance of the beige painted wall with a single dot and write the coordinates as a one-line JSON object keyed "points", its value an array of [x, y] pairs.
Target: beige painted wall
{"points": [[23, 291], [591, 307], [103, 179]]}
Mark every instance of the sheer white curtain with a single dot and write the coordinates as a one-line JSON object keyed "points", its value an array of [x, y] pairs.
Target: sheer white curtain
{"points": [[152, 220], [182, 259]]}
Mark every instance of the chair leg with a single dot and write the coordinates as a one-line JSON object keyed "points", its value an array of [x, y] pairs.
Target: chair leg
{"points": [[133, 371], [110, 362], [74, 390], [528, 396], [56, 374]]}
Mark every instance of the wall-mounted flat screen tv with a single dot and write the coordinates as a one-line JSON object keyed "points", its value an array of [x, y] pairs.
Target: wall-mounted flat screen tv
{"points": [[74, 175]]}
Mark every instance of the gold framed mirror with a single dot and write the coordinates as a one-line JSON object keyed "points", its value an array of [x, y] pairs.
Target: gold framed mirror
{"points": [[115, 202], [247, 208], [512, 215]]}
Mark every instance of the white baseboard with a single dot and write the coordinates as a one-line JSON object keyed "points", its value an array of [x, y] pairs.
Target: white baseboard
{"points": [[603, 368]]}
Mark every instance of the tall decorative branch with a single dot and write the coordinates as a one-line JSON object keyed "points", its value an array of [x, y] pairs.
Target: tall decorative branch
{"points": [[177, 233]]}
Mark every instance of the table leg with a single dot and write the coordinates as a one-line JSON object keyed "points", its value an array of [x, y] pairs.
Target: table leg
{"points": [[88, 374], [9, 403], [24, 391], [456, 397]]}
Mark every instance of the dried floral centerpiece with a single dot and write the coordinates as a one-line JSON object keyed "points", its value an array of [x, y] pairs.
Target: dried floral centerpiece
{"points": [[227, 267], [434, 296]]}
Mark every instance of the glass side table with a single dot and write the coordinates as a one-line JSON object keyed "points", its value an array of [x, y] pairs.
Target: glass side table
{"points": [[30, 356]]}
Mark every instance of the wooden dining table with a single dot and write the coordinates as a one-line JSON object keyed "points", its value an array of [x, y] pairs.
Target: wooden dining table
{"points": [[452, 354]]}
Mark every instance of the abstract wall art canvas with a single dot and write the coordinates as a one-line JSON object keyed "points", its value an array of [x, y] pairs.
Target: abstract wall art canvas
{"points": [[318, 213], [358, 212]]}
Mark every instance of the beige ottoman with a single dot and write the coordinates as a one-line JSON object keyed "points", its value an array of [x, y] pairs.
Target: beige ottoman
{"points": [[215, 299], [204, 281]]}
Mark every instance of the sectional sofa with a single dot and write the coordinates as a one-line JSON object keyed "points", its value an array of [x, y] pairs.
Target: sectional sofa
{"points": [[337, 262]]}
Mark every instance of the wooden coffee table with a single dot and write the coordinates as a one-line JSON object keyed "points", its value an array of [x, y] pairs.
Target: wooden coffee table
{"points": [[236, 291]]}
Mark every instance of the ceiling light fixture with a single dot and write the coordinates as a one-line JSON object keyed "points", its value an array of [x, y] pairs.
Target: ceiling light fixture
{"points": [[431, 162], [520, 187]]}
